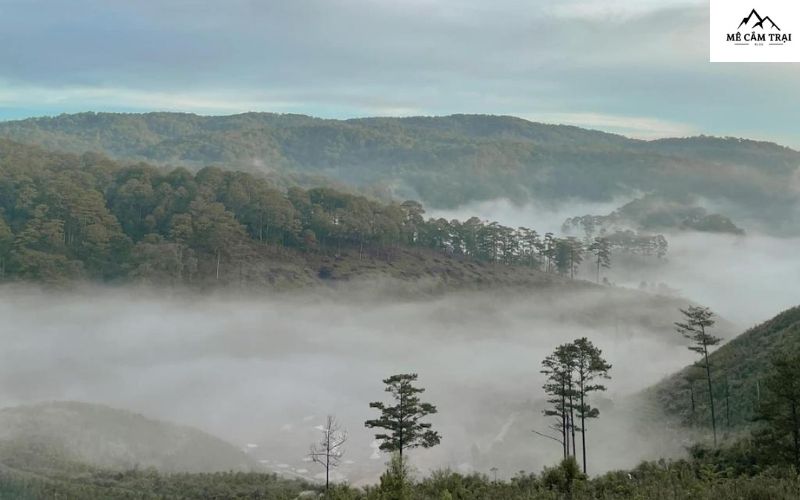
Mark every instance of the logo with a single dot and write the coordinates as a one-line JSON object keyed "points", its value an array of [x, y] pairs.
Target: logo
{"points": [[759, 35], [760, 24], [740, 32]]}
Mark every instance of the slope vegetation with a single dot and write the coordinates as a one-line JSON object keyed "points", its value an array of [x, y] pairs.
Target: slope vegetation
{"points": [[85, 217], [111, 438], [443, 161], [736, 369]]}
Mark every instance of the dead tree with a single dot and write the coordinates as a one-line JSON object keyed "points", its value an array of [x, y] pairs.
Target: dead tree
{"points": [[330, 448]]}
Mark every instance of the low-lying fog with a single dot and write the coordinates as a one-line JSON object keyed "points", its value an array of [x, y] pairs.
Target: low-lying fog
{"points": [[261, 371], [265, 370], [745, 279]]}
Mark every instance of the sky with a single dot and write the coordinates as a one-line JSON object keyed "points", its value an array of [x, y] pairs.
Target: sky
{"points": [[636, 67]]}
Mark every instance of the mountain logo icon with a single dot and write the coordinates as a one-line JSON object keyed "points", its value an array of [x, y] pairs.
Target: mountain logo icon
{"points": [[760, 21]]}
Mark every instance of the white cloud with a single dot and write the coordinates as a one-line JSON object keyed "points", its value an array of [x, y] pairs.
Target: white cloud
{"points": [[639, 127], [92, 97], [618, 10]]}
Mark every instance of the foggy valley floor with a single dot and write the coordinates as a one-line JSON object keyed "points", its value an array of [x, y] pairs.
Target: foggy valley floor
{"points": [[264, 370]]}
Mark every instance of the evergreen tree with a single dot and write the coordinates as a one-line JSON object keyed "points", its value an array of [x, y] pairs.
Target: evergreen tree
{"points": [[403, 421], [601, 249], [697, 321], [780, 409], [559, 387], [395, 482], [589, 366]]}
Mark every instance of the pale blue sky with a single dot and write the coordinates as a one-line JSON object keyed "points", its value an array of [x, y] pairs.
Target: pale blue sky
{"points": [[638, 67]]}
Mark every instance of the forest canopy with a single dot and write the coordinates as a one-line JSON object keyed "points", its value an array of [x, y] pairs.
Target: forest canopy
{"points": [[447, 161], [66, 216]]}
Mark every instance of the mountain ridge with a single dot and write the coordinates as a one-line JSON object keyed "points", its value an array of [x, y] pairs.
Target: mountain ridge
{"points": [[445, 162], [298, 119]]}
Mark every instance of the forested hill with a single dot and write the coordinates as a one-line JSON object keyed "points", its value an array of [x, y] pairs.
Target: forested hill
{"points": [[66, 217], [738, 371], [443, 161]]}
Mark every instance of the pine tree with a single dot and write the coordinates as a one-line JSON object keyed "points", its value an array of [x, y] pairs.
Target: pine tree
{"points": [[559, 387], [601, 249], [589, 366], [403, 421], [697, 320], [780, 408]]}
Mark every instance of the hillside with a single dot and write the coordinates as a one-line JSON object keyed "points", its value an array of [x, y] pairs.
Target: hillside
{"points": [[114, 439], [653, 213], [65, 217], [444, 161], [742, 363]]}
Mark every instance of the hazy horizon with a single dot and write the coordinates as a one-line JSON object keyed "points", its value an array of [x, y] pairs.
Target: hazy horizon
{"points": [[611, 130], [573, 62]]}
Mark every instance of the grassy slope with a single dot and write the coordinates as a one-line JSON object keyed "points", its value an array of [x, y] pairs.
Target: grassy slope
{"points": [[743, 362], [280, 268], [117, 439]]}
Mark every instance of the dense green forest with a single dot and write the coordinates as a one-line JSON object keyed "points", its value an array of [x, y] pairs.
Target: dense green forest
{"points": [[65, 216], [443, 161]]}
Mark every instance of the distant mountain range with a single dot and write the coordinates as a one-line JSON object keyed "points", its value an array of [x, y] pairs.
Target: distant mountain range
{"points": [[447, 161]]}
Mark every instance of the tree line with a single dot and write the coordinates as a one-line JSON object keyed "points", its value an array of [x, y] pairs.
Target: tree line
{"points": [[68, 216]]}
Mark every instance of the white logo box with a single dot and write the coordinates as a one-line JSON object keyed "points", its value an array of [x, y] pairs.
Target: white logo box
{"points": [[771, 32]]}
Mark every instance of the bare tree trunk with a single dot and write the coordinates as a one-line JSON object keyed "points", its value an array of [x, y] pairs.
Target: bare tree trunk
{"points": [[572, 424], [583, 430], [328, 457], [711, 395], [401, 418], [571, 264], [564, 426], [217, 264], [796, 436], [727, 404]]}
